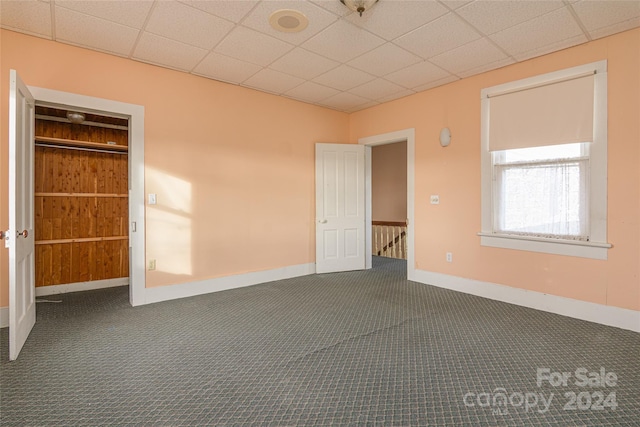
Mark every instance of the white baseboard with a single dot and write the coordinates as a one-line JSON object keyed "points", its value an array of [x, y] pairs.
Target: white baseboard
{"points": [[592, 312], [165, 293], [80, 286], [4, 317]]}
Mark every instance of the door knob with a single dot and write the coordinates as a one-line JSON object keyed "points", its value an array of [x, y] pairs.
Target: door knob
{"points": [[322, 221], [24, 234]]}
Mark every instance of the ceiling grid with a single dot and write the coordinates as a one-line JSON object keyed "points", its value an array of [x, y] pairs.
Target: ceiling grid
{"points": [[340, 60]]}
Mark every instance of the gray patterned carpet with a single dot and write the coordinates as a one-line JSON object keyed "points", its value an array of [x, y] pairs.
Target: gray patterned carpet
{"points": [[358, 348]]}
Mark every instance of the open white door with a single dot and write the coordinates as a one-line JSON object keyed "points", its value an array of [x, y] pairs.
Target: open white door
{"points": [[340, 208], [20, 241]]}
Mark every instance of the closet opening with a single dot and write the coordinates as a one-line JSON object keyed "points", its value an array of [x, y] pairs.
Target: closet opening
{"points": [[81, 200]]}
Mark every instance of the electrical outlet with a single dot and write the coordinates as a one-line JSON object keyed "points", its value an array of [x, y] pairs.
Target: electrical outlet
{"points": [[434, 199], [449, 257], [152, 264]]}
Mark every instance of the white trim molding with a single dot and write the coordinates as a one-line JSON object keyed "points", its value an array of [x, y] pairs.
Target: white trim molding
{"points": [[597, 247], [4, 317], [135, 114], [408, 135], [42, 291], [604, 314], [183, 290], [557, 247]]}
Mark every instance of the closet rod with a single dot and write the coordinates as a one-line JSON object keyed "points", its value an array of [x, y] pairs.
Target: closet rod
{"points": [[94, 124], [39, 144]]}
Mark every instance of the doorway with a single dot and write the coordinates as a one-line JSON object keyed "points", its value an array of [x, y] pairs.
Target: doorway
{"points": [[408, 136], [134, 114], [81, 217], [20, 237], [389, 200]]}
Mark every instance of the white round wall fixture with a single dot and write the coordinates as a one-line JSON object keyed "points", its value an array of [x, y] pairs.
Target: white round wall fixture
{"points": [[445, 137], [288, 21]]}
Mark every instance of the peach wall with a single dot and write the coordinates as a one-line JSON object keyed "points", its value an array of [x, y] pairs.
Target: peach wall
{"points": [[245, 160], [389, 182], [233, 168], [454, 174]]}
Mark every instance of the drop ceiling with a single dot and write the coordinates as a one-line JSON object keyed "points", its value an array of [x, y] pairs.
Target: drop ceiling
{"points": [[340, 60]]}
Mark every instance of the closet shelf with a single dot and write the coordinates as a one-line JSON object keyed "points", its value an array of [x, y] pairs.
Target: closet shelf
{"points": [[80, 195], [83, 144], [80, 240]]}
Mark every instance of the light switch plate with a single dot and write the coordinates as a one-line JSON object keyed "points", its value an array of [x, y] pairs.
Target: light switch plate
{"points": [[435, 199], [152, 199]]}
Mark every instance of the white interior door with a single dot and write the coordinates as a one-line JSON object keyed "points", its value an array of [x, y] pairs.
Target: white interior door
{"points": [[20, 241], [340, 208]]}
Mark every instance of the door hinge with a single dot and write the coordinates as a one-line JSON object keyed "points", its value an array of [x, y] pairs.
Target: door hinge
{"points": [[133, 227]]}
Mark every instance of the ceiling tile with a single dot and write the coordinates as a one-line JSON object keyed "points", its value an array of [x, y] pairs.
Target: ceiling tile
{"points": [[562, 44], [311, 92], [492, 16], [342, 42], [94, 33], [417, 75], [441, 35], [377, 89], [170, 53], [319, 19], [455, 4], [186, 24], [333, 6], [251, 46], [232, 11], [272, 81], [304, 64], [225, 68], [391, 19], [343, 78], [472, 55], [597, 15], [539, 32], [362, 107], [436, 83], [384, 60], [486, 67], [31, 17], [345, 101], [615, 28], [129, 13], [396, 95]]}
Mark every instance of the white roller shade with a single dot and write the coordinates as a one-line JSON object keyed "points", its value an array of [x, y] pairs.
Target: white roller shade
{"points": [[550, 114]]}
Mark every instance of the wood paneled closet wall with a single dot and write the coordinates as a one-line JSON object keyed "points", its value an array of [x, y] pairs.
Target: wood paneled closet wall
{"points": [[81, 198]]}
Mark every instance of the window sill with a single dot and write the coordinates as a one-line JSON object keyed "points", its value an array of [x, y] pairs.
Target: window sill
{"points": [[593, 250]]}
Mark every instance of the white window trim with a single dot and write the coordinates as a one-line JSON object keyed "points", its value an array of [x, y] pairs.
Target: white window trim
{"points": [[597, 247]]}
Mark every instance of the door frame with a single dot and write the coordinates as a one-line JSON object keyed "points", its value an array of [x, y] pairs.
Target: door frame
{"points": [[403, 135], [135, 114]]}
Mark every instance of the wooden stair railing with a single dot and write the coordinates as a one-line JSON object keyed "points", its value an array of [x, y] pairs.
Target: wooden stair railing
{"points": [[390, 239]]}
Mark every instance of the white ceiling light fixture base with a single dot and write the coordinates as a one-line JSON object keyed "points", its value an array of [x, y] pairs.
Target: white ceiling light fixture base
{"points": [[75, 118], [288, 21], [359, 5]]}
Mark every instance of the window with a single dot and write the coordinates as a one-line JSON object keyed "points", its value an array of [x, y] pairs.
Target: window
{"points": [[542, 191], [544, 163]]}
